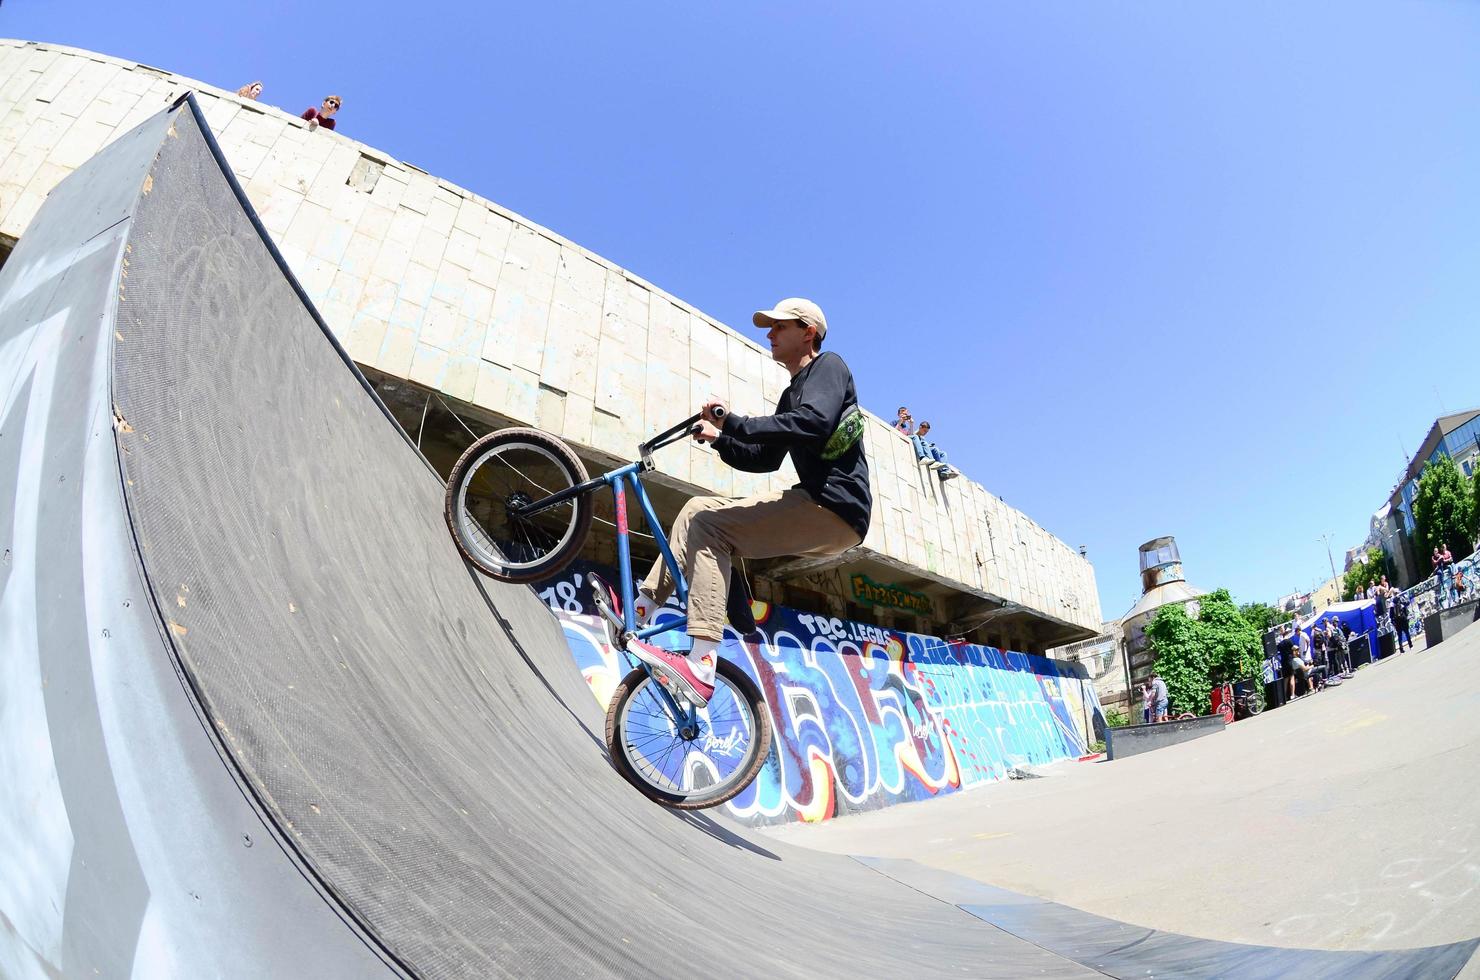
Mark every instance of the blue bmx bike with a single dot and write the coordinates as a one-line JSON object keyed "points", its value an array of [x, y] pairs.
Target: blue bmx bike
{"points": [[519, 507]]}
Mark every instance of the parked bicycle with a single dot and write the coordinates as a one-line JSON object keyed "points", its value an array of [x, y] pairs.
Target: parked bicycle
{"points": [[519, 507], [1233, 706]]}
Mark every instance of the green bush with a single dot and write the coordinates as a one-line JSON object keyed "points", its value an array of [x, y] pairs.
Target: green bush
{"points": [[1192, 655], [1262, 616], [1363, 574], [1116, 718]]}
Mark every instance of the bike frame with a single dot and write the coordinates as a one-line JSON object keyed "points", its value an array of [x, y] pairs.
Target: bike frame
{"points": [[618, 480]]}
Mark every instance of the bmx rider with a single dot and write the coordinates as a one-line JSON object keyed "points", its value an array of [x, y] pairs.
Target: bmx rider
{"points": [[819, 424]]}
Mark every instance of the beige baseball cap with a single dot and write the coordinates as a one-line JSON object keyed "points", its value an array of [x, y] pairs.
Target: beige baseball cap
{"points": [[795, 308]]}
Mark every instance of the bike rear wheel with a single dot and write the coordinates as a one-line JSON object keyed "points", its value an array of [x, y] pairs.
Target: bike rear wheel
{"points": [[500, 473], [689, 770]]}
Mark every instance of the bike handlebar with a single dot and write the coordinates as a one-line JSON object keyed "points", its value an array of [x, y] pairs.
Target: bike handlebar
{"points": [[682, 430]]}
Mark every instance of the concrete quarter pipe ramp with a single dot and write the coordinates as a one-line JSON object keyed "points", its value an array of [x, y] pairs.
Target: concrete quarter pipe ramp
{"points": [[257, 718]]}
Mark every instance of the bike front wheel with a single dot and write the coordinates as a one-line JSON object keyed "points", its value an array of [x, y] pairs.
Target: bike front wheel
{"points": [[689, 769], [501, 473]]}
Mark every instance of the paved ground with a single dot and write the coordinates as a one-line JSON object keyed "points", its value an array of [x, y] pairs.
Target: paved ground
{"points": [[1346, 820]]}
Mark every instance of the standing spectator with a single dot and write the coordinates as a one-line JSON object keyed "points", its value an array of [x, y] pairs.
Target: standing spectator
{"points": [[1400, 620], [1339, 648], [1146, 703], [1381, 597], [250, 91], [926, 452], [1444, 570], [1286, 648], [1319, 656], [324, 114], [1159, 695], [1302, 643], [905, 423]]}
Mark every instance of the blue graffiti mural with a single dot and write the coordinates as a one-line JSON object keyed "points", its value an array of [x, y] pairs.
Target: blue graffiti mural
{"points": [[867, 717]]}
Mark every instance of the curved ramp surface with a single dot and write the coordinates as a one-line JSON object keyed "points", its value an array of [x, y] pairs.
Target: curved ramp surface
{"points": [[417, 739], [257, 718]]}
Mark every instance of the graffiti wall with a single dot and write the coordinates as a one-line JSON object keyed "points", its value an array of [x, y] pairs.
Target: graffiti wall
{"points": [[867, 717]]}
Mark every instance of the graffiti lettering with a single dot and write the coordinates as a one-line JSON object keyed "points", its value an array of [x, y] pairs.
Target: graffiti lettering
{"points": [[866, 717]]}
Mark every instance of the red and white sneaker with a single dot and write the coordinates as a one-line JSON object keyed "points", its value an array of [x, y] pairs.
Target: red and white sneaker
{"points": [[674, 672]]}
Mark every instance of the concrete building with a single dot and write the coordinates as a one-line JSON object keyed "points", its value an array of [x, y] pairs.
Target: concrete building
{"points": [[1103, 656], [1457, 436], [1118, 657], [1162, 584], [469, 317]]}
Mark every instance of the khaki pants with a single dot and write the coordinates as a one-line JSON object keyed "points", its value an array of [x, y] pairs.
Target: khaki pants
{"points": [[710, 531]]}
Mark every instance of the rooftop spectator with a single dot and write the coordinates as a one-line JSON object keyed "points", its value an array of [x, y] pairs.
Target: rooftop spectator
{"points": [[905, 424], [250, 91], [324, 114], [927, 452]]}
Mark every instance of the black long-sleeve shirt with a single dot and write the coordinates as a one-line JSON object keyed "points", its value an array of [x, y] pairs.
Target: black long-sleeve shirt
{"points": [[806, 416]]}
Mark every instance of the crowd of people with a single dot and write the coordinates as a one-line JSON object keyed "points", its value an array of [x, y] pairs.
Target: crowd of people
{"points": [[1304, 663], [1307, 663], [321, 116], [926, 452]]}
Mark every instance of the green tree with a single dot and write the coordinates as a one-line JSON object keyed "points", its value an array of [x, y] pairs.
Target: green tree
{"points": [[1233, 642], [1222, 643], [1263, 616], [1363, 574], [1181, 658], [1444, 510], [1475, 494]]}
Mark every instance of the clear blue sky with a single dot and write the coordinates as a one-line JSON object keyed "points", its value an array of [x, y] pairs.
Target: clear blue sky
{"points": [[1202, 269]]}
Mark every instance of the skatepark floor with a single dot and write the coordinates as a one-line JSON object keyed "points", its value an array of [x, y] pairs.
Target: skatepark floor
{"points": [[1345, 820]]}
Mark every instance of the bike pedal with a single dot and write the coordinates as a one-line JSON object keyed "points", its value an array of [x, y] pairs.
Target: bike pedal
{"points": [[599, 596]]}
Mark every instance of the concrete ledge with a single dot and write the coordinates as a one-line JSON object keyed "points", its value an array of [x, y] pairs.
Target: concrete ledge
{"points": [[1135, 739], [1447, 622]]}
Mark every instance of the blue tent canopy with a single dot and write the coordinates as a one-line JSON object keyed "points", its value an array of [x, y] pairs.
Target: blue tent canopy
{"points": [[1360, 616]]}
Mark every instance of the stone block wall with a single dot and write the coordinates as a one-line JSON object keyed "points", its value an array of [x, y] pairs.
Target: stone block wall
{"points": [[427, 281]]}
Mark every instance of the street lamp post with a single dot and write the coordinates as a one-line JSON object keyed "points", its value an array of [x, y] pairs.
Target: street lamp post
{"points": [[1327, 539]]}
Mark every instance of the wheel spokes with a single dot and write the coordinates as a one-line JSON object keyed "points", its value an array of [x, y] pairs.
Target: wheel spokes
{"points": [[718, 751], [506, 479]]}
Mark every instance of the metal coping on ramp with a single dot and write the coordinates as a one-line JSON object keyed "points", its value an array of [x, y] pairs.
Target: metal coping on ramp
{"points": [[288, 731]]}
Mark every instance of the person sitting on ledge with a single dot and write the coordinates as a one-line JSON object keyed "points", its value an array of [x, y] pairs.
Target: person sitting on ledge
{"points": [[927, 453]]}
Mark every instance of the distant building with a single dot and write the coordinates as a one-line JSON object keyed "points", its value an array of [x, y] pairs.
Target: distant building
{"points": [[1162, 584], [1104, 657], [1298, 603], [1456, 436]]}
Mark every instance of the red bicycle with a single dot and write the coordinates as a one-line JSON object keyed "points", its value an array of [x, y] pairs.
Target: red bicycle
{"points": [[1234, 706]]}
